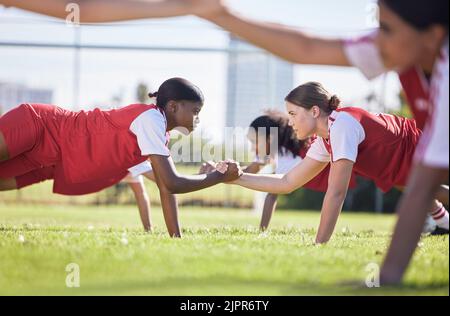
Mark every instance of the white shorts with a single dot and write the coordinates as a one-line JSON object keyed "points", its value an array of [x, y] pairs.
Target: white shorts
{"points": [[140, 169]]}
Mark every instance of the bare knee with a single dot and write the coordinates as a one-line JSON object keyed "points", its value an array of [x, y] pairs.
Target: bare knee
{"points": [[8, 184], [3, 149]]}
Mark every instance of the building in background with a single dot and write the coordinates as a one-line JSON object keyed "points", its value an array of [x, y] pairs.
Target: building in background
{"points": [[256, 81], [13, 94]]}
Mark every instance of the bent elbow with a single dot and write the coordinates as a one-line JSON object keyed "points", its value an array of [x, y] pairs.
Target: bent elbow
{"points": [[170, 187], [289, 188], [286, 191]]}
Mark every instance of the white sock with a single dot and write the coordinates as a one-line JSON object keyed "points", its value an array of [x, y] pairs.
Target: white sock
{"points": [[441, 217]]}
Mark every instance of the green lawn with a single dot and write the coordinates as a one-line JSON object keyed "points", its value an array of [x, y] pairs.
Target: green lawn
{"points": [[222, 253], [42, 194]]}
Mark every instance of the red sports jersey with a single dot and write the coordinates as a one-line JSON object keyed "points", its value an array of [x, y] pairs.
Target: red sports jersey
{"points": [[386, 154], [363, 53], [99, 144], [88, 150], [320, 182], [417, 90]]}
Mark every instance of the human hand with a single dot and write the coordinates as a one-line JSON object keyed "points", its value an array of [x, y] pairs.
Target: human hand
{"points": [[208, 167], [232, 172]]}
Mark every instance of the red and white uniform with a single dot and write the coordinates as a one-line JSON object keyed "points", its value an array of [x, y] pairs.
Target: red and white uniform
{"points": [[84, 152], [286, 162], [425, 99], [433, 150], [135, 174], [380, 145], [364, 55]]}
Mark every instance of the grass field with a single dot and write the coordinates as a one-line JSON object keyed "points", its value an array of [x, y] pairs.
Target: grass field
{"points": [[42, 194], [222, 253]]}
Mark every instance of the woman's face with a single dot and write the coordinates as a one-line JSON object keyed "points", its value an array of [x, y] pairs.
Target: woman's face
{"points": [[186, 115], [401, 46], [260, 142], [302, 120]]}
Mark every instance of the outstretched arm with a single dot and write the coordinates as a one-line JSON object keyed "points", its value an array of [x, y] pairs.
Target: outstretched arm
{"points": [[164, 169], [96, 11], [254, 167], [170, 183], [340, 175], [170, 208], [283, 184], [285, 42], [169, 205], [270, 205], [143, 203]]}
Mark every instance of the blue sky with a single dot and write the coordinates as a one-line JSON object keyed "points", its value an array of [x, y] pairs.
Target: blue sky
{"points": [[105, 74]]}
